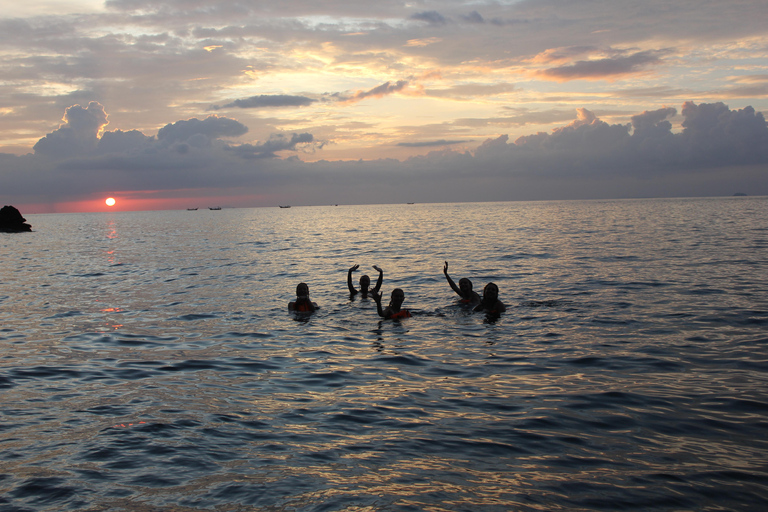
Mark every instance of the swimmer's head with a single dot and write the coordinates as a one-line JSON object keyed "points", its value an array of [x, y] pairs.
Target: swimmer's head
{"points": [[365, 282], [465, 285], [491, 292], [302, 290], [398, 296]]}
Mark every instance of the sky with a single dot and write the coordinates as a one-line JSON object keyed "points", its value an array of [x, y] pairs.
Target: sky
{"points": [[195, 103]]}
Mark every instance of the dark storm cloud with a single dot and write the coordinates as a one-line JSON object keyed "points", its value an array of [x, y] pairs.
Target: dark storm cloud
{"points": [[268, 101]]}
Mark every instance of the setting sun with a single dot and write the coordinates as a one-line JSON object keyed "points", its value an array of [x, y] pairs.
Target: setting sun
{"points": [[110, 201]]}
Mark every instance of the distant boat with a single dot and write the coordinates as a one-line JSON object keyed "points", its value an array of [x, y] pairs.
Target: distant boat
{"points": [[191, 209], [286, 206], [409, 203], [214, 207]]}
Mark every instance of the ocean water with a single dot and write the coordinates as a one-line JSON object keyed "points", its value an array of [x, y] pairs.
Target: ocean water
{"points": [[148, 361]]}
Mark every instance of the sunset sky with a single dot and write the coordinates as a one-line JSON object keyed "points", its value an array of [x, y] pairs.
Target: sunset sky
{"points": [[194, 103]]}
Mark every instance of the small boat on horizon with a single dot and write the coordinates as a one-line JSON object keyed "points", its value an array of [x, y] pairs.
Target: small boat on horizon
{"points": [[191, 209], [286, 206], [214, 207]]}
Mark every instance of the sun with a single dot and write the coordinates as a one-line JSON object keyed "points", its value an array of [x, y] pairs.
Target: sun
{"points": [[110, 201]]}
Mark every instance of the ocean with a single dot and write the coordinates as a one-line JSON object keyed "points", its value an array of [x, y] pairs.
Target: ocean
{"points": [[148, 361]]}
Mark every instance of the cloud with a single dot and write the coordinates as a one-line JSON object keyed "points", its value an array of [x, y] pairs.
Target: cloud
{"points": [[648, 124], [212, 127], [715, 135], [379, 91], [564, 54], [585, 141], [269, 101], [431, 17], [285, 100], [426, 144], [78, 133], [426, 41], [597, 69], [278, 142], [473, 17], [718, 151], [119, 141]]}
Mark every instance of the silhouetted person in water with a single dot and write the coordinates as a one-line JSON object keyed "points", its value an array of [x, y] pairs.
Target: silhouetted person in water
{"points": [[468, 296], [365, 282], [490, 302], [302, 304], [392, 311]]}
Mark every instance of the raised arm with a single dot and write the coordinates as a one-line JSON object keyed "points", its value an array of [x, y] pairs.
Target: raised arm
{"points": [[349, 279], [377, 298], [450, 281], [379, 281]]}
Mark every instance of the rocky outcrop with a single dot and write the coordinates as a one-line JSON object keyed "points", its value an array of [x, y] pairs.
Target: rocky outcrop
{"points": [[11, 221]]}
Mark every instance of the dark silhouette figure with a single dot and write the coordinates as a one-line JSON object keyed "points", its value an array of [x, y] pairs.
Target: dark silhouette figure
{"points": [[490, 302], [468, 296], [302, 304], [365, 282], [11, 220], [393, 311]]}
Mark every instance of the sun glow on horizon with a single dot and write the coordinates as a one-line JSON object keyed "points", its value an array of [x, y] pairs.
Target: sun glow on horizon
{"points": [[110, 201]]}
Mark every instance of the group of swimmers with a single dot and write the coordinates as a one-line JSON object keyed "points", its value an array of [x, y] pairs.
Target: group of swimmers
{"points": [[488, 303]]}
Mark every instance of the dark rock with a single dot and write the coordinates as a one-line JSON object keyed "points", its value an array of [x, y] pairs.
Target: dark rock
{"points": [[11, 220]]}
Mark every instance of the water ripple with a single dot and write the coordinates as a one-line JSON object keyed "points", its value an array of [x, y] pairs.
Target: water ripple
{"points": [[155, 367]]}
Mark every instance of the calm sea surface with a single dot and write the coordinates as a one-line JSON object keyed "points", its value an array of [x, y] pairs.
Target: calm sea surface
{"points": [[148, 361]]}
